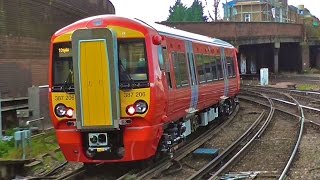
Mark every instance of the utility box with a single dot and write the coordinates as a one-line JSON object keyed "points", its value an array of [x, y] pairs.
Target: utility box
{"points": [[23, 113], [23, 116], [264, 76]]}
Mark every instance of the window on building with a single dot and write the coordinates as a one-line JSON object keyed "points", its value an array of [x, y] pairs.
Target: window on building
{"points": [[247, 17]]}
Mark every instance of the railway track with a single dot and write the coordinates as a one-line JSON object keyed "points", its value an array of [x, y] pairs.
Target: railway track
{"points": [[231, 158], [274, 162], [305, 98], [181, 153], [274, 171], [221, 141], [227, 158], [285, 103]]}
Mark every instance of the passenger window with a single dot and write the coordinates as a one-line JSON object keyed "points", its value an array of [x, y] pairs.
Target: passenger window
{"points": [[199, 62], [183, 69], [180, 69], [214, 68], [207, 65], [230, 67], [219, 65], [176, 69]]}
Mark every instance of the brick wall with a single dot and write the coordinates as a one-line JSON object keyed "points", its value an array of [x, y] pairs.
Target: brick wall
{"points": [[241, 30], [26, 27]]}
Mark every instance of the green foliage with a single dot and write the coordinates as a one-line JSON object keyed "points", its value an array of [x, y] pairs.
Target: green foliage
{"points": [[5, 147], [308, 87], [177, 12], [180, 13], [195, 12], [39, 145], [313, 32]]}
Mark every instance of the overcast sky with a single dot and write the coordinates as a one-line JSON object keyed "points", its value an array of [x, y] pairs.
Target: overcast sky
{"points": [[158, 10]]}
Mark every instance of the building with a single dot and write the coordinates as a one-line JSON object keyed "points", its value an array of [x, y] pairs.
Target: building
{"points": [[26, 27], [262, 11]]}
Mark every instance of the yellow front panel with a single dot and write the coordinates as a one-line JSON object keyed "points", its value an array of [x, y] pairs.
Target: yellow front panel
{"points": [[94, 84]]}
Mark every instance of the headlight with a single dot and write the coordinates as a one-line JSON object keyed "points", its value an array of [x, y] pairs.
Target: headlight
{"points": [[69, 113], [141, 107], [60, 110]]}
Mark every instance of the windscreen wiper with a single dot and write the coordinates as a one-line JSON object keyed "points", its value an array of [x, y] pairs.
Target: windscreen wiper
{"points": [[67, 86], [126, 77]]}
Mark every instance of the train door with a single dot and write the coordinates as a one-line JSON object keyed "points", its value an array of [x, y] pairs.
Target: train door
{"points": [[163, 52], [225, 73], [194, 82], [96, 78]]}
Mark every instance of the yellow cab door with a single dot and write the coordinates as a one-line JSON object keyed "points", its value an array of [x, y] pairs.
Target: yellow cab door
{"points": [[96, 78]]}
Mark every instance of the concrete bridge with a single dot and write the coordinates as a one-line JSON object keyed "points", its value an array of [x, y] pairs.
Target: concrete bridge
{"points": [[277, 46]]}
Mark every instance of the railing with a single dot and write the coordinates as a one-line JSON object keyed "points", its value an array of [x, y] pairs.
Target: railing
{"points": [[10, 104]]}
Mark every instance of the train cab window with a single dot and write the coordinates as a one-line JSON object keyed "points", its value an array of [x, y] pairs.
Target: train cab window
{"points": [[62, 67], [180, 69], [132, 61], [201, 75]]}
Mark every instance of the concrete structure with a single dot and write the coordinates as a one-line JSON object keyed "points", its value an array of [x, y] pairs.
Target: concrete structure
{"points": [[277, 46], [268, 33], [26, 27]]}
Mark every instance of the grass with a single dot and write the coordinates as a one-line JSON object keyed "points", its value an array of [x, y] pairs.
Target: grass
{"points": [[312, 71], [309, 87], [39, 145]]}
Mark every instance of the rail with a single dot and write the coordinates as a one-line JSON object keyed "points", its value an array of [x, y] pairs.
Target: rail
{"points": [[284, 172], [212, 164], [257, 134], [302, 121], [181, 153]]}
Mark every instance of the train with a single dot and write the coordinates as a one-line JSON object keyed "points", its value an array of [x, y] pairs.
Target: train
{"points": [[124, 90]]}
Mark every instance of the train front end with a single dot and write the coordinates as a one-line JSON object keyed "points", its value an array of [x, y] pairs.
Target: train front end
{"points": [[100, 91]]}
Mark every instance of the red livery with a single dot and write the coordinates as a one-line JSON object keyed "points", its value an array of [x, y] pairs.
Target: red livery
{"points": [[124, 90]]}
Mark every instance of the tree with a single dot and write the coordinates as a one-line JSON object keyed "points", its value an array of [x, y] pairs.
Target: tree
{"points": [[215, 9], [180, 13], [177, 12], [195, 12]]}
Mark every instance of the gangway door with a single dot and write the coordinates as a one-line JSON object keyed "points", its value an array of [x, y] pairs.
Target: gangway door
{"points": [[96, 79]]}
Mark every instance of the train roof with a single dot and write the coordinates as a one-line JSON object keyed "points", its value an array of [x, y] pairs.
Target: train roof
{"points": [[162, 29]]}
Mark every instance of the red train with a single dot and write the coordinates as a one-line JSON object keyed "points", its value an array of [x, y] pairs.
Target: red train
{"points": [[124, 90]]}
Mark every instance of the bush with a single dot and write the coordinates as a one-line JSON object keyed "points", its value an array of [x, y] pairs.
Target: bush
{"points": [[5, 147]]}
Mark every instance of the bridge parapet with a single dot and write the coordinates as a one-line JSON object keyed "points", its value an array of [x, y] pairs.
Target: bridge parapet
{"points": [[243, 32]]}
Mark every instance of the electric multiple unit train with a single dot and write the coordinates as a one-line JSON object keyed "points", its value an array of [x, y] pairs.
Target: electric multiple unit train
{"points": [[123, 90]]}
